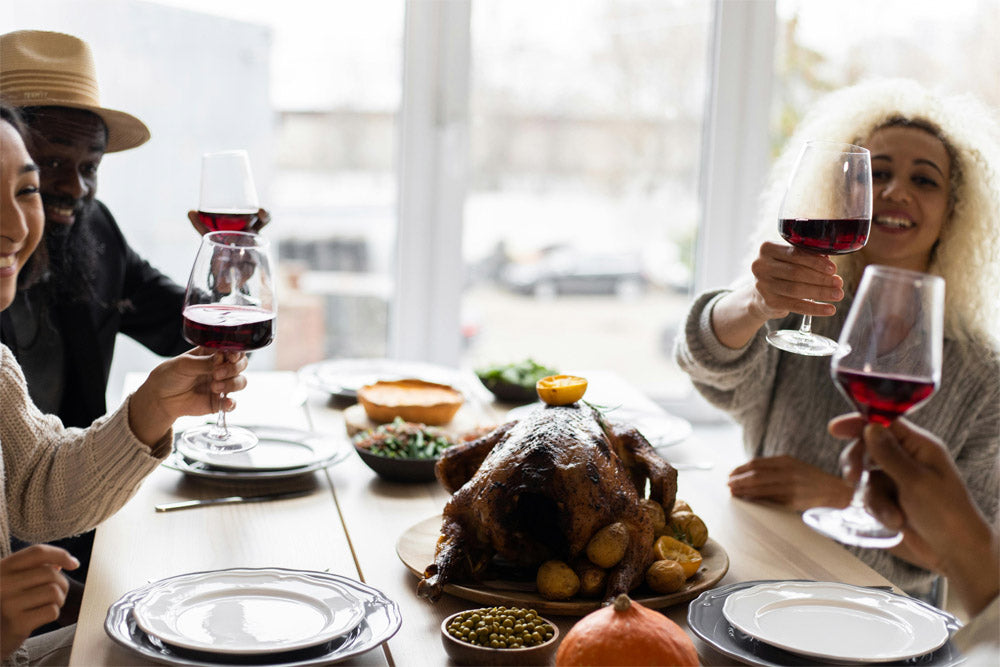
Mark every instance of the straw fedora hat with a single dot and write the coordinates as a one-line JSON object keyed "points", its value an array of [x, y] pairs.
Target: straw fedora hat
{"points": [[52, 69]]}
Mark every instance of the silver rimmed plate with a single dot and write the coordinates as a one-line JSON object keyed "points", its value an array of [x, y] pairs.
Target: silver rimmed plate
{"points": [[836, 622], [706, 619], [661, 428], [248, 611], [322, 451], [380, 622], [278, 449], [343, 377]]}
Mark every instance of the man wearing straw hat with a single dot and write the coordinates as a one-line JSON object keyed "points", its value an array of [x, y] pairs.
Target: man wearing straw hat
{"points": [[97, 286]]}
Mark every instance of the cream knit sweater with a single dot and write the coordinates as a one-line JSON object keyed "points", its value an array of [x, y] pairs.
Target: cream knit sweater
{"points": [[784, 402]]}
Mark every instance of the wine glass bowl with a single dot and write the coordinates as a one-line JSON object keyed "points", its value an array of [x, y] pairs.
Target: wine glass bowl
{"points": [[229, 304], [228, 200], [888, 362], [827, 209]]}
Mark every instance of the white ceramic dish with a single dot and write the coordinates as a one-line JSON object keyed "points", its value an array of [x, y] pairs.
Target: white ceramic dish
{"points": [[836, 622], [248, 612], [343, 377], [662, 429], [382, 621], [278, 449]]}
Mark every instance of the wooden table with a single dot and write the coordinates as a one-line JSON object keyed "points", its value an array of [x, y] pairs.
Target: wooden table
{"points": [[351, 523]]}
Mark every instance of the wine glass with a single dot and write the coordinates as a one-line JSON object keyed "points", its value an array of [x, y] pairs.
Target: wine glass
{"points": [[888, 362], [827, 209], [229, 305], [228, 199]]}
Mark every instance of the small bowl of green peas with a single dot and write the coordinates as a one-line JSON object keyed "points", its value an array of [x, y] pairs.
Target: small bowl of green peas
{"points": [[402, 451], [499, 636]]}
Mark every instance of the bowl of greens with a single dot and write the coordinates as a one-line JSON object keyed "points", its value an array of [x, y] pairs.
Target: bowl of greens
{"points": [[514, 382], [402, 451]]}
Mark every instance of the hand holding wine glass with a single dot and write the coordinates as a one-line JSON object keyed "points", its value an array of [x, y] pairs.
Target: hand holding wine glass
{"points": [[888, 362], [229, 305], [228, 200], [827, 209]]}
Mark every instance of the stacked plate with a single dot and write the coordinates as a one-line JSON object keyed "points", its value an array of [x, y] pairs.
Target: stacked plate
{"points": [[268, 616], [805, 622], [281, 453]]}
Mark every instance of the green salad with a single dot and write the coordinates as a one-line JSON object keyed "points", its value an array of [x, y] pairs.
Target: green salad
{"points": [[516, 381], [404, 440]]}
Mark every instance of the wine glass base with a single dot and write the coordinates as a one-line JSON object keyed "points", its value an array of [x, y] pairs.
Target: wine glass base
{"points": [[209, 439], [796, 342], [851, 525]]}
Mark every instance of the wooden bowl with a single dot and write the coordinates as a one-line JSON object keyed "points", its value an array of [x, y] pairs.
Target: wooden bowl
{"points": [[471, 654], [413, 400], [398, 470]]}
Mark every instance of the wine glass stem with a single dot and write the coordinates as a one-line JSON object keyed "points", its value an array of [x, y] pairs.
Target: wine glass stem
{"points": [[221, 430], [858, 499], [807, 323]]}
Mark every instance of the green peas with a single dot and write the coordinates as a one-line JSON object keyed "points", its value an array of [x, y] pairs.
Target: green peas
{"points": [[500, 627]]}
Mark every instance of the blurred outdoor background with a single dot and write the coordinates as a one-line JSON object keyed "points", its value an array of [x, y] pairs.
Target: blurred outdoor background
{"points": [[478, 182]]}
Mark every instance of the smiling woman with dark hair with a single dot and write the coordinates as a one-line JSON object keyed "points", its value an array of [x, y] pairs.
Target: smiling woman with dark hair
{"points": [[55, 481]]}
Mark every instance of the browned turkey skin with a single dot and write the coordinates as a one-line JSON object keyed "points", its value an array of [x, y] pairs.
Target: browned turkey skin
{"points": [[539, 488]]}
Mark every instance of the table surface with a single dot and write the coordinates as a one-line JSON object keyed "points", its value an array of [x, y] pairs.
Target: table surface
{"points": [[350, 524]]}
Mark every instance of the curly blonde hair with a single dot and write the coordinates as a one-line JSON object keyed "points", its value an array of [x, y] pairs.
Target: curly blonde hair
{"points": [[967, 254]]}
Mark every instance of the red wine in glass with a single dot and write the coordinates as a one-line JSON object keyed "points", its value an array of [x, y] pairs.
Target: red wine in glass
{"points": [[829, 237], [228, 221], [224, 327], [881, 398]]}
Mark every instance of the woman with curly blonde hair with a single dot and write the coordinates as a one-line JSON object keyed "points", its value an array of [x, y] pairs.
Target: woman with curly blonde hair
{"points": [[936, 209]]}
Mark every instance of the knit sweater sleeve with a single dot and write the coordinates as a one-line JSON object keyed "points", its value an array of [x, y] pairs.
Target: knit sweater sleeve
{"points": [[62, 481], [737, 381]]}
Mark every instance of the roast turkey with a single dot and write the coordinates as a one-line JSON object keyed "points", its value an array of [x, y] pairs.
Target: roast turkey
{"points": [[539, 488]]}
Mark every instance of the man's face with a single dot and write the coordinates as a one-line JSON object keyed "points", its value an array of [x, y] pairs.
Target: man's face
{"points": [[67, 144]]}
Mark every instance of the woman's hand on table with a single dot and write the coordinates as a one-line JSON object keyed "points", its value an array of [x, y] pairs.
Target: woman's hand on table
{"points": [[788, 482], [32, 592]]}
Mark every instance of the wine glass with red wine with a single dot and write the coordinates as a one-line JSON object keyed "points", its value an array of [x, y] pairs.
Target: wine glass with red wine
{"points": [[827, 209], [229, 305], [888, 361], [228, 201]]}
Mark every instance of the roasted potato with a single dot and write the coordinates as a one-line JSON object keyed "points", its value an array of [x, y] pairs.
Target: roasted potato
{"points": [[593, 579], [688, 527], [665, 576], [680, 506], [655, 512], [556, 580], [607, 546]]}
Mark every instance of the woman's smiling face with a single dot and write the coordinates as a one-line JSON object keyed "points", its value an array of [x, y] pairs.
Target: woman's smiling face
{"points": [[911, 180]]}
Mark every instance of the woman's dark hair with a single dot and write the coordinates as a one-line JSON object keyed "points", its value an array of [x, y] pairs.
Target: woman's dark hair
{"points": [[38, 263]]}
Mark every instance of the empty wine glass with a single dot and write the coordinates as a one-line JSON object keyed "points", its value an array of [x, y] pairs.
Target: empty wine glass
{"points": [[827, 209], [229, 305], [228, 200], [888, 362]]}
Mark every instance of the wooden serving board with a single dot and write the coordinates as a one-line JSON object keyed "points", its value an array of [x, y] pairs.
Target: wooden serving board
{"points": [[464, 421], [415, 548]]}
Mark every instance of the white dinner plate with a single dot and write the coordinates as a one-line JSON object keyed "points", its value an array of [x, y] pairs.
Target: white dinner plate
{"points": [[836, 622], [660, 428], [248, 611], [343, 377], [279, 448]]}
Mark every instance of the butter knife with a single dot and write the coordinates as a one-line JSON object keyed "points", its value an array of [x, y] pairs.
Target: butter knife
{"points": [[230, 500]]}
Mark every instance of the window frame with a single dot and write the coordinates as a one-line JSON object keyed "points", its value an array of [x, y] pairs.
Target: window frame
{"points": [[434, 163]]}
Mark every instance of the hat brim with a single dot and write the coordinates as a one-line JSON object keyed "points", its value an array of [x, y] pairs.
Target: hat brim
{"points": [[125, 131]]}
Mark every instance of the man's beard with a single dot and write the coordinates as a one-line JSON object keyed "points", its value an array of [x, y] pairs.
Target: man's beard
{"points": [[74, 256]]}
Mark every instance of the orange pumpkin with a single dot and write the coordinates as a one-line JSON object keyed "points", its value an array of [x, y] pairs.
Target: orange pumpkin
{"points": [[624, 634]]}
